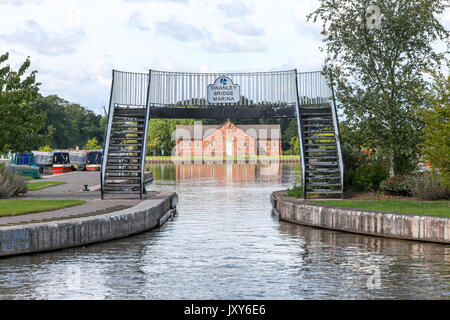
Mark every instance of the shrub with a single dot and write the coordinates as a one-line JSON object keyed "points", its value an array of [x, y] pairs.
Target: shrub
{"points": [[11, 184], [296, 191], [428, 186], [46, 148], [399, 185], [366, 178]]}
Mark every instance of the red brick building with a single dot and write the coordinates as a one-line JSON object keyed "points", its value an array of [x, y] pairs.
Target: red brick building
{"points": [[228, 140]]}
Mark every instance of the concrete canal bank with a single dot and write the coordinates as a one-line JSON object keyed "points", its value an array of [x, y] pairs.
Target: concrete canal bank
{"points": [[73, 232], [393, 225]]}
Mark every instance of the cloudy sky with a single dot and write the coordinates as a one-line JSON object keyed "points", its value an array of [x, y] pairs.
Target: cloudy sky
{"points": [[74, 44]]}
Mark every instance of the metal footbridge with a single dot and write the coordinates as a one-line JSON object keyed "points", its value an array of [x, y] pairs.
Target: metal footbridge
{"points": [[137, 97]]}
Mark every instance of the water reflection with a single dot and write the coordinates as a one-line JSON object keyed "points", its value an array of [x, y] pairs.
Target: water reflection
{"points": [[225, 244]]}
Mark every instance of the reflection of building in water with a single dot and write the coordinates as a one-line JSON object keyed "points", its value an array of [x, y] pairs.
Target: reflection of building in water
{"points": [[228, 140], [230, 173]]}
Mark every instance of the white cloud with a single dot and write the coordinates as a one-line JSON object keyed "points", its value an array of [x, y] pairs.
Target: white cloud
{"points": [[234, 46], [45, 42], [234, 9], [180, 30], [304, 27], [245, 29], [136, 21], [20, 2], [176, 1]]}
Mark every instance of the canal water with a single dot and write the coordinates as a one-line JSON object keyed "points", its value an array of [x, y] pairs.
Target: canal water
{"points": [[225, 243]]}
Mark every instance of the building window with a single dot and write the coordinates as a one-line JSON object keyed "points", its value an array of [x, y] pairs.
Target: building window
{"points": [[198, 144], [190, 144], [182, 144], [212, 144], [267, 144], [245, 144], [274, 144]]}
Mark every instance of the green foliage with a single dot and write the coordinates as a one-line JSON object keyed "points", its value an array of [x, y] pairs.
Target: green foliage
{"points": [[366, 178], [46, 148], [19, 120], [398, 185], [160, 135], [11, 184], [378, 71], [295, 145], [436, 146], [428, 186], [92, 144], [70, 125], [296, 191]]}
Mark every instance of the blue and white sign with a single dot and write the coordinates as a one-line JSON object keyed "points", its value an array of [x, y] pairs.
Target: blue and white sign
{"points": [[224, 91]]}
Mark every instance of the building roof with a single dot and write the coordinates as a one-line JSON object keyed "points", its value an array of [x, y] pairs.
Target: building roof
{"points": [[261, 131]]}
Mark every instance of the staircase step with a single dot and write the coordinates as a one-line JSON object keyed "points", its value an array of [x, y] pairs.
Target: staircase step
{"points": [[320, 150], [121, 188], [117, 132], [120, 156], [120, 152], [123, 170], [122, 183], [314, 178], [125, 144], [119, 177], [322, 164], [322, 184], [128, 111], [120, 126], [122, 192], [313, 145], [126, 138], [331, 157], [315, 136], [310, 132], [325, 191], [316, 125], [308, 116]]}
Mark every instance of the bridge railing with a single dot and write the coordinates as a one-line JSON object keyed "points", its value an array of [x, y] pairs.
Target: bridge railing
{"points": [[313, 88], [130, 89], [190, 89]]}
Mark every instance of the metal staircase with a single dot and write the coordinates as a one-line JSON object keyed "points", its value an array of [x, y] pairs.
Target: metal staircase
{"points": [[125, 142], [318, 130], [321, 151]]}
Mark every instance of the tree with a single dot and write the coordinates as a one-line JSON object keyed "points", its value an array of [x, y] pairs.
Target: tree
{"points": [[436, 146], [92, 144], [70, 124], [160, 134], [295, 145], [377, 52], [19, 120]]}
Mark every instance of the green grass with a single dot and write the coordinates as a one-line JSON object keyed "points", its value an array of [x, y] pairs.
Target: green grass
{"points": [[428, 208], [19, 207], [33, 186]]}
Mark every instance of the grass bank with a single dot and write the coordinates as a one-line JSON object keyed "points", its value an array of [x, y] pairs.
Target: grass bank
{"points": [[428, 208], [33, 186], [18, 207]]}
